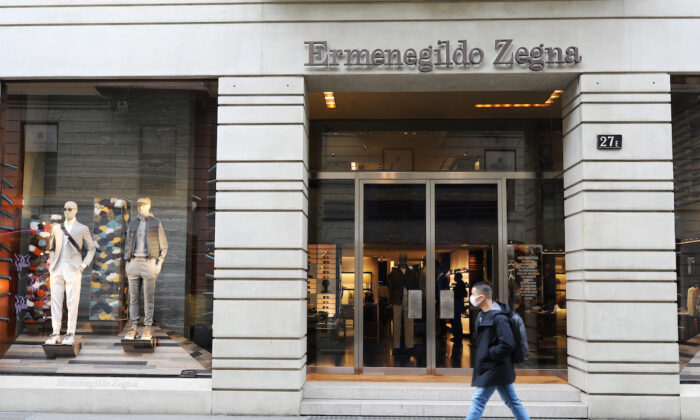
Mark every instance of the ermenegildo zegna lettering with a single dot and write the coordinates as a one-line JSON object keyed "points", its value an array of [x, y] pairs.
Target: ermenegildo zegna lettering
{"points": [[445, 54]]}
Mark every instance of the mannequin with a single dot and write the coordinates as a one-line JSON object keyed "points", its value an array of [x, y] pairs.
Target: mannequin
{"points": [[693, 294], [145, 250], [401, 280], [66, 266]]}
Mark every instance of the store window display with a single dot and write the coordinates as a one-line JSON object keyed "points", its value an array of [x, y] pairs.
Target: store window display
{"points": [[119, 151], [331, 294], [536, 271], [685, 106]]}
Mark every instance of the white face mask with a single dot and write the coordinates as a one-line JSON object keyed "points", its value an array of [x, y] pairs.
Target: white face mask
{"points": [[472, 300]]}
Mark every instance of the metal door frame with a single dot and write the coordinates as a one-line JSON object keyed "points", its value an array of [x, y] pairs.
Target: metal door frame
{"points": [[430, 180]]}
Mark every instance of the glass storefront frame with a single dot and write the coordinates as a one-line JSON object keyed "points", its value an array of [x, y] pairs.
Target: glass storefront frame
{"points": [[429, 179]]}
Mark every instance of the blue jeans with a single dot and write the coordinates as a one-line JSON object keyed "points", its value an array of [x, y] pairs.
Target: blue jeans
{"points": [[507, 393]]}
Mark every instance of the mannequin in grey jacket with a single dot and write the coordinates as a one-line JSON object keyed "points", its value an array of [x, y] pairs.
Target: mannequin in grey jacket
{"points": [[66, 265], [145, 250]]}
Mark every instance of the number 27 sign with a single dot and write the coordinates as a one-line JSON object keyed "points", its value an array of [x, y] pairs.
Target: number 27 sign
{"points": [[609, 141]]}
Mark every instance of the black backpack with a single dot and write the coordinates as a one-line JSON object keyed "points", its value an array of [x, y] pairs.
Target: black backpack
{"points": [[521, 353]]}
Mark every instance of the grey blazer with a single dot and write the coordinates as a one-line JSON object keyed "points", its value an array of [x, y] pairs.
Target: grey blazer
{"points": [[81, 235]]}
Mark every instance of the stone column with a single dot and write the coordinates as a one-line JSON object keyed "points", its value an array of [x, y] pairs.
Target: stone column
{"points": [[620, 241], [259, 348]]}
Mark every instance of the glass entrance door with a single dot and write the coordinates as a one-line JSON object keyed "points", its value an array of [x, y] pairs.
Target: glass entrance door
{"points": [[466, 245], [394, 275], [422, 245]]}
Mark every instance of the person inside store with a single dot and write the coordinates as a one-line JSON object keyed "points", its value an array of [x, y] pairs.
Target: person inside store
{"points": [[443, 283], [494, 347], [549, 284], [460, 292]]}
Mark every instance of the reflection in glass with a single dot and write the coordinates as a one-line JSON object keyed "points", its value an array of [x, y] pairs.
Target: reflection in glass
{"points": [[466, 244], [536, 275], [456, 146], [331, 273], [394, 285]]}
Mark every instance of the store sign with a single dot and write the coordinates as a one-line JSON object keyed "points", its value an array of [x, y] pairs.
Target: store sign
{"points": [[609, 141], [444, 55]]}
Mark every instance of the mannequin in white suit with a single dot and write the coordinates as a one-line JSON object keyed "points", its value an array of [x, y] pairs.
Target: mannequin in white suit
{"points": [[66, 265]]}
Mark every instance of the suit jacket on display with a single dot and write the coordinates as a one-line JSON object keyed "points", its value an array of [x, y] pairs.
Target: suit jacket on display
{"points": [[398, 281], [82, 237]]}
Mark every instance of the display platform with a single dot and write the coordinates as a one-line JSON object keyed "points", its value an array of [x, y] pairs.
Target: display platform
{"points": [[104, 355], [689, 355], [62, 350], [139, 345]]}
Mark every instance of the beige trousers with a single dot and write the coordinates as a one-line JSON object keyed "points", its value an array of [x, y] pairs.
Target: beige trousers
{"points": [[401, 311], [65, 280]]}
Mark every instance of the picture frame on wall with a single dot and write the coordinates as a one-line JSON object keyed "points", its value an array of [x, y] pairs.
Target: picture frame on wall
{"points": [[500, 160], [397, 159], [40, 137]]}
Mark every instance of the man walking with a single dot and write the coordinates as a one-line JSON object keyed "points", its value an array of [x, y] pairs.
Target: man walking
{"points": [[493, 364]]}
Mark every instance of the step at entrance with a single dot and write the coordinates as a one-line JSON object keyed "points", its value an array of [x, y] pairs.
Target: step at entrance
{"points": [[433, 400]]}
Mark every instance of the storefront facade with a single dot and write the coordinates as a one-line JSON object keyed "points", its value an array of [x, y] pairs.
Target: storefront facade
{"points": [[216, 111]]}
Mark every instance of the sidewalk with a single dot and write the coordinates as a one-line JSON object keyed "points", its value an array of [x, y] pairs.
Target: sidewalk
{"points": [[68, 416]]}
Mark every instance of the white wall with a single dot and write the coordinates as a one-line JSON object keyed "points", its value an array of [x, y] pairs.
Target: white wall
{"points": [[171, 40]]}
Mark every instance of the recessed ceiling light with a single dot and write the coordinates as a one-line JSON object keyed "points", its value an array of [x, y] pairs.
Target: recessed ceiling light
{"points": [[330, 99], [553, 97]]}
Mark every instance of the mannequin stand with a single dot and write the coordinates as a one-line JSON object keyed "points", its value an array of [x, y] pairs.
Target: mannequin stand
{"points": [[140, 346], [53, 351]]}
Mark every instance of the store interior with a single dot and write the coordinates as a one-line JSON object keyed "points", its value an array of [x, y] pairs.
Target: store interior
{"points": [[409, 134]]}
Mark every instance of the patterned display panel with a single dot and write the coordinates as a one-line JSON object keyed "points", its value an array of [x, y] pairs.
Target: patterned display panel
{"points": [[37, 306], [108, 286]]}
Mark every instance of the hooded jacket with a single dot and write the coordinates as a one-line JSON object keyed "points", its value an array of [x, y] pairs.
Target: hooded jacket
{"points": [[493, 347]]}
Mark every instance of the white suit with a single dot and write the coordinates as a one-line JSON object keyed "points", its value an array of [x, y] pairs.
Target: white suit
{"points": [[66, 269]]}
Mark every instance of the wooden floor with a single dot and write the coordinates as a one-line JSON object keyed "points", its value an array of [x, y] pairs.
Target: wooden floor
{"points": [[103, 355], [521, 379], [690, 361]]}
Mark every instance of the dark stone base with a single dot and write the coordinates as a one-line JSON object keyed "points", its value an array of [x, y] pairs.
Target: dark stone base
{"points": [[139, 346], [62, 350]]}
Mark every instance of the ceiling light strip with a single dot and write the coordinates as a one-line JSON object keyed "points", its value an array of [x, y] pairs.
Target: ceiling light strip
{"points": [[329, 97], [553, 97]]}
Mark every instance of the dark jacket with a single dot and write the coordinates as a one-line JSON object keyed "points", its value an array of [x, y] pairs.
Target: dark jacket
{"points": [[494, 344], [460, 292], [156, 243], [398, 280]]}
